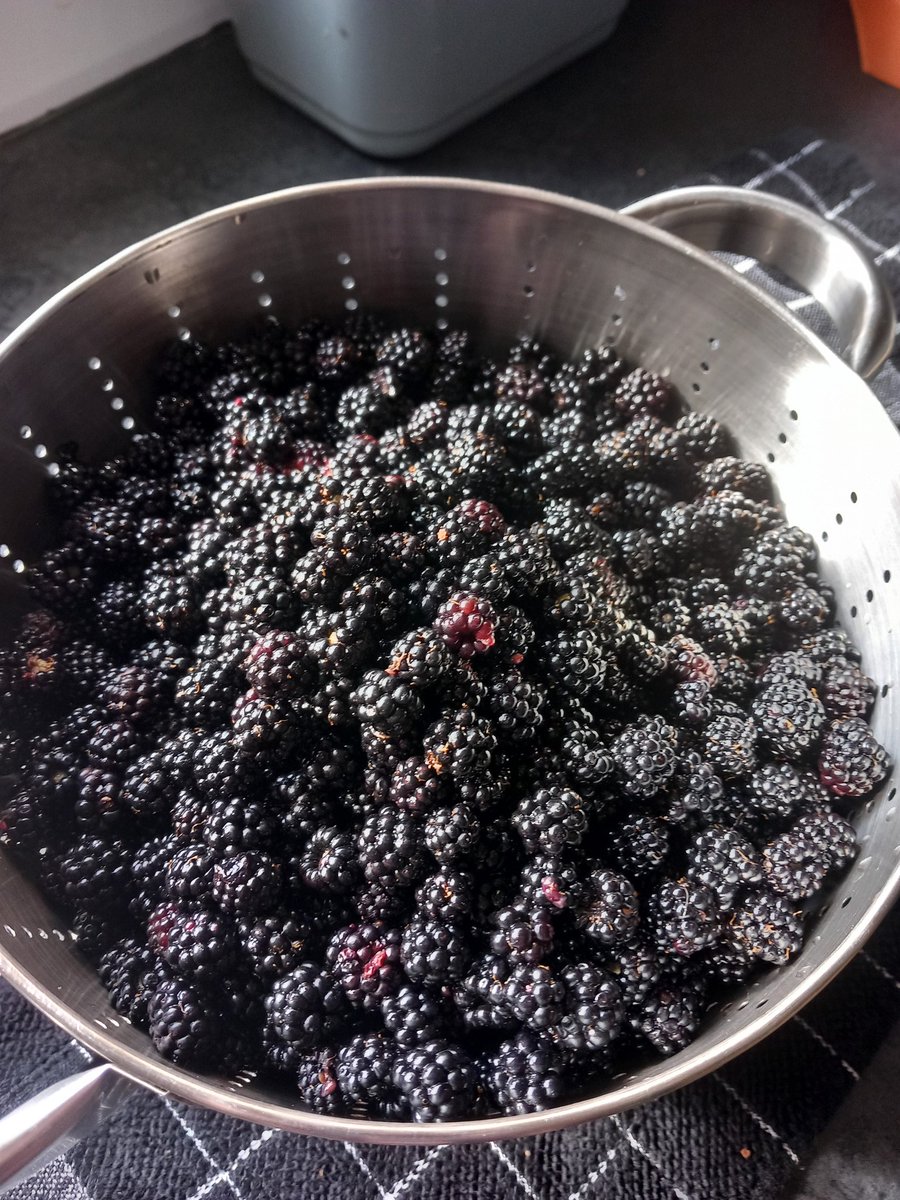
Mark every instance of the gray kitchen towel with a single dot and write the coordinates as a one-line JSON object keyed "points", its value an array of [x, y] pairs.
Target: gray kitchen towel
{"points": [[740, 1133]]}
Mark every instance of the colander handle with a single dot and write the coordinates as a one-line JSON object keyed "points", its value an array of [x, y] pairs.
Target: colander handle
{"points": [[814, 252], [55, 1119]]}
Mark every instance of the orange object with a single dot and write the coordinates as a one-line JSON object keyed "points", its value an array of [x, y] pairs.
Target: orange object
{"points": [[878, 34]]}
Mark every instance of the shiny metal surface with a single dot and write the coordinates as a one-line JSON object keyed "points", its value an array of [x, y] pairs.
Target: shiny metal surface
{"points": [[56, 1119], [815, 254], [499, 260]]}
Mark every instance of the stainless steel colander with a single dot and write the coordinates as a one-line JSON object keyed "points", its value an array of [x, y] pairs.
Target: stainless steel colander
{"points": [[498, 260]]}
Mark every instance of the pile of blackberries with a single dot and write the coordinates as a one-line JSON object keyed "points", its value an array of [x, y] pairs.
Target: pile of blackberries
{"points": [[429, 732]]}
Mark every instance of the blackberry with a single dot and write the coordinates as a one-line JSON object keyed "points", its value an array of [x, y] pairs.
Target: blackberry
{"points": [[636, 968], [96, 872], [130, 972], [186, 1025], [372, 406], [416, 787], [550, 882], [409, 352], [767, 927], [364, 1071], [189, 872], [534, 995], [446, 895], [644, 756], [735, 475], [306, 1007], [577, 662], [795, 866], [846, 691], [278, 666], [63, 579], [437, 1079], [526, 1073], [486, 576], [388, 703], [450, 833], [98, 808], [724, 861], [329, 861], [389, 846], [729, 742], [247, 884], [550, 819], [366, 960], [194, 942], [467, 624], [461, 743], [136, 695], [609, 912], [685, 916], [466, 531], [522, 935], [832, 836], [420, 656], [639, 846], [669, 1016], [851, 761], [233, 826], [317, 1084], [775, 791], [791, 666], [276, 943], [434, 952], [264, 728], [594, 1009], [789, 718], [413, 1016], [171, 605], [206, 693]]}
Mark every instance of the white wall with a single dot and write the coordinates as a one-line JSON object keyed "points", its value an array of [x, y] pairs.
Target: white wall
{"points": [[52, 51]]}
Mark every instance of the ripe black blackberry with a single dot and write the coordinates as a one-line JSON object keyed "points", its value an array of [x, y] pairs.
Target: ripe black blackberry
{"points": [[636, 968], [307, 1007], [832, 835], [486, 576], [644, 756], [526, 1073], [416, 787], [685, 916], [434, 952], [276, 943], [130, 971], [608, 912], [851, 761], [278, 665], [329, 861], [189, 873], [264, 729], [437, 1079], [366, 960], [729, 742], [550, 819], [452, 832], [789, 718], [669, 1017], [795, 867], [775, 791], [533, 995], [193, 940], [846, 691], [98, 808], [551, 882], [522, 935], [460, 743], [235, 825], [767, 926], [364, 1072], [594, 1009], [723, 860], [448, 895], [414, 1015], [577, 662], [390, 848], [372, 405], [96, 872], [735, 475], [247, 884], [639, 846], [588, 761], [186, 1025], [206, 693], [390, 704]]}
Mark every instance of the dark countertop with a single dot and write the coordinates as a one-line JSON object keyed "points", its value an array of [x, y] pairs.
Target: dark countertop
{"points": [[681, 84]]}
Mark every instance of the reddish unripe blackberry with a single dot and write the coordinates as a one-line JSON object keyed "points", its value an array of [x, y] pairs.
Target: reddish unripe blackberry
{"points": [[367, 962], [526, 1073], [609, 911], [437, 1079], [851, 761], [594, 1009], [550, 819], [467, 624]]}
